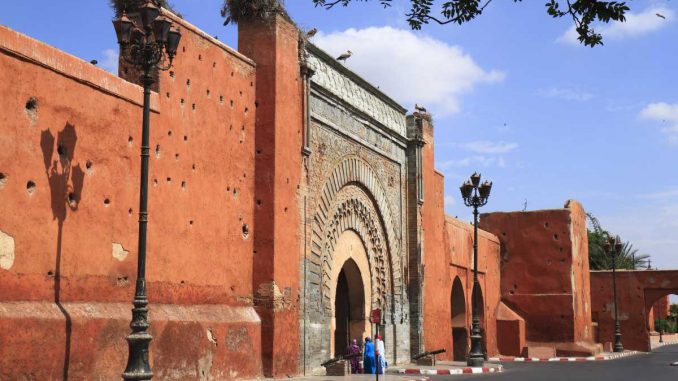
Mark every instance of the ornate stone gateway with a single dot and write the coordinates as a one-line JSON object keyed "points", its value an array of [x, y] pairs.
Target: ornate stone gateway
{"points": [[355, 254]]}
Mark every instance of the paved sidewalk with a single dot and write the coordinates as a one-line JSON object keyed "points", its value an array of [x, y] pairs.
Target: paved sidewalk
{"points": [[445, 368], [602, 357], [356, 377]]}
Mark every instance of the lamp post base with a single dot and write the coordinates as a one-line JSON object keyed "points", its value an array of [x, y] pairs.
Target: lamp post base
{"points": [[618, 347], [475, 361]]}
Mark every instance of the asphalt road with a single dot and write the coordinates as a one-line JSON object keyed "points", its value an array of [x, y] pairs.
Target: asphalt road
{"points": [[653, 366]]}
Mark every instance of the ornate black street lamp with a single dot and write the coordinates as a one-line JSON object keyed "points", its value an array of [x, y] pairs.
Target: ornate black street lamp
{"points": [[475, 195], [613, 247], [148, 48]]}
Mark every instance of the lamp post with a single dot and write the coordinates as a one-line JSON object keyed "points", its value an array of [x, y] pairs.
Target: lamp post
{"points": [[661, 322], [475, 195], [613, 247], [146, 48]]}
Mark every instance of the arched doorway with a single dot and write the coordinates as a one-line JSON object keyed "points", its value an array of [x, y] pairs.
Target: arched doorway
{"points": [[481, 313], [458, 315], [662, 318], [351, 296]]}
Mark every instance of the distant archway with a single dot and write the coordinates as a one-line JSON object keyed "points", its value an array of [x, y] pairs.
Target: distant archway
{"points": [[660, 319], [458, 316]]}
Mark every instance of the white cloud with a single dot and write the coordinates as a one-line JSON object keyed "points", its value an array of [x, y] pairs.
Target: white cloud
{"points": [[475, 160], [110, 61], [488, 147], [568, 94], [665, 113], [412, 68], [636, 24]]}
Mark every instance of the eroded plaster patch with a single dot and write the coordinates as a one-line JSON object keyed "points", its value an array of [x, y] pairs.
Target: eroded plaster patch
{"points": [[6, 251], [119, 252]]}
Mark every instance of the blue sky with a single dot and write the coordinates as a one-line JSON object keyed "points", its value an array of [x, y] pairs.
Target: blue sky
{"points": [[545, 119]]}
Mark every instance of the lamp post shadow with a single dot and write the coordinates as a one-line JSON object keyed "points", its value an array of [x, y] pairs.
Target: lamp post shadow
{"points": [[65, 184]]}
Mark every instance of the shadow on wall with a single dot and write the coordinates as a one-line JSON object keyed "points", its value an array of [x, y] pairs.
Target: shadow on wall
{"points": [[65, 184]]}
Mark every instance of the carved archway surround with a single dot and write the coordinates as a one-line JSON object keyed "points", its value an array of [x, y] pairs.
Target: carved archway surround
{"points": [[353, 198]]}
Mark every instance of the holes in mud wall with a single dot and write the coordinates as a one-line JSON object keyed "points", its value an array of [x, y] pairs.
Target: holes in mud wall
{"points": [[208, 92], [130, 140], [3, 179], [130, 211], [107, 202], [190, 222], [176, 156], [185, 138], [169, 133], [235, 192], [199, 57], [555, 237], [246, 110], [221, 99], [232, 103], [245, 231], [155, 182], [258, 202], [171, 73], [32, 104], [72, 200], [182, 101], [193, 106], [183, 185], [169, 179], [546, 225], [188, 83], [167, 94], [88, 167], [157, 151], [30, 187], [62, 151]]}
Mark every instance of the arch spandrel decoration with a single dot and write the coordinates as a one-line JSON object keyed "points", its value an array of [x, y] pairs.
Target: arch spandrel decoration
{"points": [[353, 198]]}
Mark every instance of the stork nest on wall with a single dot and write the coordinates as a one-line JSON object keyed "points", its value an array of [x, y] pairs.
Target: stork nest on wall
{"points": [[235, 11], [131, 5]]}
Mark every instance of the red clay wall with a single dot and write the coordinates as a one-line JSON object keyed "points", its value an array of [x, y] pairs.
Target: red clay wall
{"points": [[637, 292], [544, 267], [274, 47], [201, 213], [448, 254]]}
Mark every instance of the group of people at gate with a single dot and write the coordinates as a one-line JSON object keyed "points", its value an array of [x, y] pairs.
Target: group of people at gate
{"points": [[373, 358]]}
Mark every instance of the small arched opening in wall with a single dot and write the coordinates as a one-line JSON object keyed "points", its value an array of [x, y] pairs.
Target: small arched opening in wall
{"points": [[351, 294], [662, 317], [458, 316]]}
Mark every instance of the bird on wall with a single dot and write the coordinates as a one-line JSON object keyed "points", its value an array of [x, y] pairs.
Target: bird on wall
{"points": [[419, 108], [311, 32], [345, 56], [660, 16], [94, 62]]}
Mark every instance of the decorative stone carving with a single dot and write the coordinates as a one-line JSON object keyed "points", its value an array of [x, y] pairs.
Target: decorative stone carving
{"points": [[357, 96]]}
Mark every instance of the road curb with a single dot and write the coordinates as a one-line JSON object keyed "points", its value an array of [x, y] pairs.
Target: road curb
{"points": [[659, 345], [611, 356], [447, 371]]}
